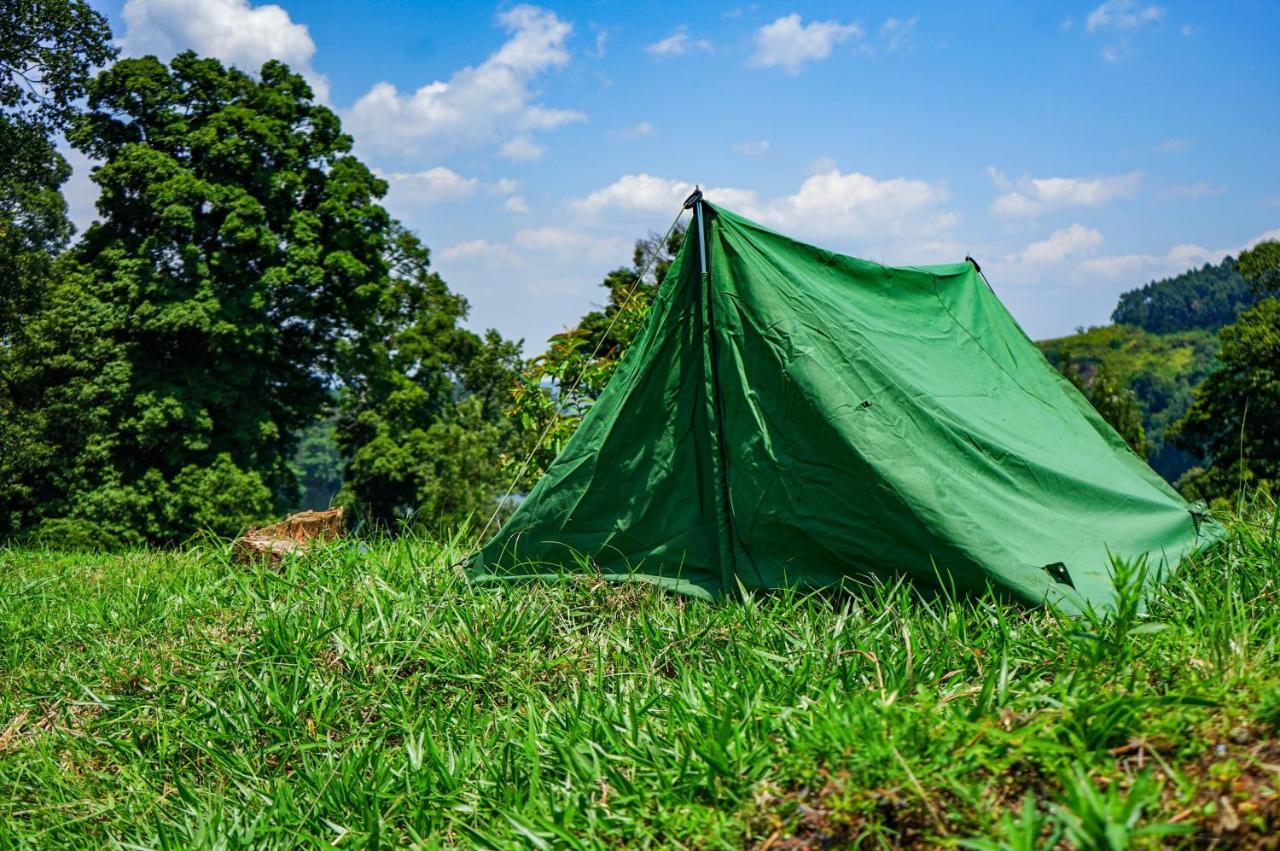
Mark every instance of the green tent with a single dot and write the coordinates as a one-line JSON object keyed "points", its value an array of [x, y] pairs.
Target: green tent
{"points": [[794, 416]]}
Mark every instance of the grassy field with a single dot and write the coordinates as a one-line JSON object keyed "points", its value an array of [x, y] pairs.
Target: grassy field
{"points": [[369, 697]]}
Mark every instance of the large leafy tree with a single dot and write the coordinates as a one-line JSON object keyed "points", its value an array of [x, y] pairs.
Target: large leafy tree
{"points": [[241, 272], [420, 419], [1235, 418], [47, 50]]}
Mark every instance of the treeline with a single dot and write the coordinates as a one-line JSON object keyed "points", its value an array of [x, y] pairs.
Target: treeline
{"points": [[1204, 408], [1205, 298], [245, 326], [241, 283]]}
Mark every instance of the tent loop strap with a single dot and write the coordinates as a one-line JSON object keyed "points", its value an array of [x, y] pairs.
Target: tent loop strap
{"points": [[978, 269], [690, 201]]}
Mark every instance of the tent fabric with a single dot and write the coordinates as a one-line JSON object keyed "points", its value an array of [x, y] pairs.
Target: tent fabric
{"points": [[798, 417]]}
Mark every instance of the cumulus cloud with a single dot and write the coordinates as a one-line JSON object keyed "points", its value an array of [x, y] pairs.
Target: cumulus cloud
{"points": [[515, 204], [234, 31], [1032, 196], [789, 43], [857, 211], [1177, 259], [678, 44], [431, 186], [522, 149], [1061, 245], [484, 104]]}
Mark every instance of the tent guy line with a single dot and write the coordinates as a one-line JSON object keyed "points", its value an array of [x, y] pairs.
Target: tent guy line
{"points": [[537, 444]]}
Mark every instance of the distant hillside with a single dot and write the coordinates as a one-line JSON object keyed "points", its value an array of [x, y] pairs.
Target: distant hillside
{"points": [[1162, 369], [1204, 298]]}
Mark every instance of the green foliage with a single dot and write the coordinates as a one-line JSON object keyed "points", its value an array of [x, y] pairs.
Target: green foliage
{"points": [[47, 50], [1160, 369], [556, 390], [1110, 396], [422, 468], [420, 413], [1235, 419], [243, 271], [365, 694], [1260, 266], [1110, 819], [1206, 299]]}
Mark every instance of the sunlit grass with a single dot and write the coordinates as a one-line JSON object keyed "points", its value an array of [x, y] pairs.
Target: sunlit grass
{"points": [[367, 694]]}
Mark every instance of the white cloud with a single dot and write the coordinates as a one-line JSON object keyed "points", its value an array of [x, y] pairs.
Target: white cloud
{"points": [[789, 43], [515, 204], [635, 193], [1177, 259], [860, 212], [504, 186], [522, 149], [678, 44], [752, 148], [1064, 244], [1187, 30], [481, 250], [432, 186], [1123, 15], [1175, 146], [1032, 196], [490, 102], [234, 31]]}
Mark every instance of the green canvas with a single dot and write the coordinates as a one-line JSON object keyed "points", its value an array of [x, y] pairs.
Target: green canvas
{"points": [[797, 417]]}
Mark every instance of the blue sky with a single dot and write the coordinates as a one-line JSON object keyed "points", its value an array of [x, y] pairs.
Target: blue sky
{"points": [[1076, 149]]}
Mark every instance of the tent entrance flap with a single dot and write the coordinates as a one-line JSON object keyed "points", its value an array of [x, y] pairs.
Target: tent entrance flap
{"points": [[733, 446]]}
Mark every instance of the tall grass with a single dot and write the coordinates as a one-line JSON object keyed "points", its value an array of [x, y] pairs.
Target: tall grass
{"points": [[368, 696]]}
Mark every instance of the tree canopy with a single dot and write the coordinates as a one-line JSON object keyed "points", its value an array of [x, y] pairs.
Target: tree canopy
{"points": [[1204, 298], [47, 50], [1234, 421], [242, 270]]}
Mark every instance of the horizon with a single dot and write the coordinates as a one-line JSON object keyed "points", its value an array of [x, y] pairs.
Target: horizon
{"points": [[1076, 152]]}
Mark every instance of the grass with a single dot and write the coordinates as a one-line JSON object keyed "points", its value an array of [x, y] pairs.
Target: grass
{"points": [[369, 697]]}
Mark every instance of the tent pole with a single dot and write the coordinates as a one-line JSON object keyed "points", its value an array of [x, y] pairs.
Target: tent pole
{"points": [[702, 243]]}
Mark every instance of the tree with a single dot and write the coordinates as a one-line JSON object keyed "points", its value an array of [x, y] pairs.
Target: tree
{"points": [[1205, 298], [1235, 418], [558, 387], [47, 50], [243, 271], [420, 419], [1109, 395]]}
